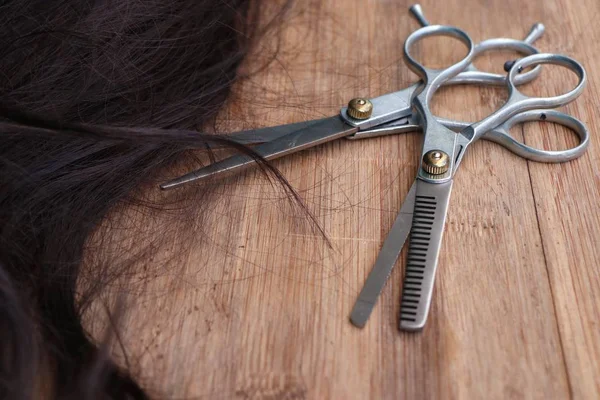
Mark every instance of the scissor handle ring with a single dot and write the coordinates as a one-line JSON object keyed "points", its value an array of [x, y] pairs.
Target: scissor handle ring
{"points": [[546, 58], [518, 102], [502, 136], [475, 76], [431, 76]]}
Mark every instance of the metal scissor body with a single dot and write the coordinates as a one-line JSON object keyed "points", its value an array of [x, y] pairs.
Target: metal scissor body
{"points": [[427, 203], [390, 113], [445, 144]]}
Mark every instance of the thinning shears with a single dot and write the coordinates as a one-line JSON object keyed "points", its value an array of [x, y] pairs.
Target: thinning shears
{"points": [[443, 150], [423, 212]]}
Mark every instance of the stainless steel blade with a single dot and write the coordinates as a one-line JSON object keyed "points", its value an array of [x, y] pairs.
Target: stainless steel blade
{"points": [[429, 218], [325, 131], [262, 135], [385, 261]]}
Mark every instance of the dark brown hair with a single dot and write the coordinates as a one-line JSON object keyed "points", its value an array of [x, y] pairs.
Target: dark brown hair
{"points": [[95, 98]]}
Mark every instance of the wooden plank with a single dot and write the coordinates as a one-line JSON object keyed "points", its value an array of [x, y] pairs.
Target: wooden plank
{"points": [[258, 306], [568, 210]]}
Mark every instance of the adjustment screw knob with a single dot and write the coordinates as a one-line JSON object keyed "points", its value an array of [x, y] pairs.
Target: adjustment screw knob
{"points": [[436, 162], [360, 108]]}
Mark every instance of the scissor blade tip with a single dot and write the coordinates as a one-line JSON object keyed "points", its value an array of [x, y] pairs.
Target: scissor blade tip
{"points": [[407, 326], [357, 322], [360, 313], [182, 180], [171, 184]]}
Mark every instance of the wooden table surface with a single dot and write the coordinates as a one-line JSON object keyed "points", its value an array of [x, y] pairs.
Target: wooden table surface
{"points": [[258, 306]]}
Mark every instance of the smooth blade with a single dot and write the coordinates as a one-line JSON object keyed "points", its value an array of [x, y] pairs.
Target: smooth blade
{"points": [[324, 131], [271, 133], [429, 218], [385, 261]]}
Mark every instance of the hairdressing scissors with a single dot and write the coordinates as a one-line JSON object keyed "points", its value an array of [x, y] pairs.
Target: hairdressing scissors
{"points": [[388, 113], [423, 213], [424, 210]]}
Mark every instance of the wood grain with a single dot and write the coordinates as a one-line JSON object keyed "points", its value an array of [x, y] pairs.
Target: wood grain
{"points": [[259, 306]]}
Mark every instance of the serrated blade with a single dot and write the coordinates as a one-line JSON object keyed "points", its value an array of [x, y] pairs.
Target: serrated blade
{"points": [[429, 218]]}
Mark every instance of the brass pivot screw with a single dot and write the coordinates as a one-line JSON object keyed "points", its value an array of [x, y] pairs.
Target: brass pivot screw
{"points": [[436, 162], [360, 108]]}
